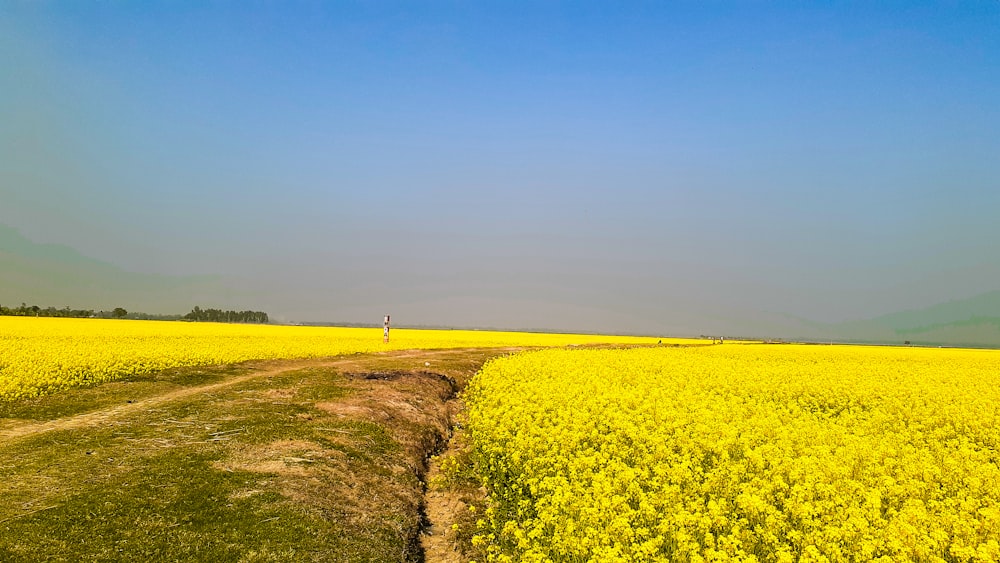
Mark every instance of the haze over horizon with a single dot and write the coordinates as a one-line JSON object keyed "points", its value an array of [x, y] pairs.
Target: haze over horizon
{"points": [[578, 166]]}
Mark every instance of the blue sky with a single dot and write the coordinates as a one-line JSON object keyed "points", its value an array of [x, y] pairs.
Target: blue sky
{"points": [[592, 166]]}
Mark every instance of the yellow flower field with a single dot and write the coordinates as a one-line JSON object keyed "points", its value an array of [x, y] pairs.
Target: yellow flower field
{"points": [[771, 453], [43, 355]]}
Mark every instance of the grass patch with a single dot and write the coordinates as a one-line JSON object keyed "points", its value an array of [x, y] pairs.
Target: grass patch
{"points": [[311, 463], [173, 506]]}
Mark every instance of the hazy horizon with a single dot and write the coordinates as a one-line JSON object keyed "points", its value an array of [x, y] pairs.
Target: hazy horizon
{"points": [[642, 169]]}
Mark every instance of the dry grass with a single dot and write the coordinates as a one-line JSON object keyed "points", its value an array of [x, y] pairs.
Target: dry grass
{"points": [[319, 460]]}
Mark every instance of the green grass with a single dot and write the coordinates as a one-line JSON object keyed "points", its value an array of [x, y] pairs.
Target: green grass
{"points": [[310, 464]]}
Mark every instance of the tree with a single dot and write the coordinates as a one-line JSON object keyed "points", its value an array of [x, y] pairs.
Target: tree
{"points": [[230, 316], [119, 313]]}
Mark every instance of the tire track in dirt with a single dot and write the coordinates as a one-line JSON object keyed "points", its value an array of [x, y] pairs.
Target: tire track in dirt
{"points": [[105, 416]]}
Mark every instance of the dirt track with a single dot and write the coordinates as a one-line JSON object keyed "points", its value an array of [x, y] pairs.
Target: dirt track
{"points": [[106, 415], [379, 399], [267, 369]]}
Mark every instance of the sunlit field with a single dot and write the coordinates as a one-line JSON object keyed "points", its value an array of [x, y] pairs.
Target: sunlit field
{"points": [[773, 453], [43, 355]]}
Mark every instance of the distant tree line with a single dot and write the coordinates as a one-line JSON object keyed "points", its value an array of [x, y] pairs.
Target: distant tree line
{"points": [[219, 316], [120, 313], [35, 311], [25, 310], [196, 314]]}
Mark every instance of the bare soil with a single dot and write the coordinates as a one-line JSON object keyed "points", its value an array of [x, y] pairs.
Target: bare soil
{"points": [[444, 507]]}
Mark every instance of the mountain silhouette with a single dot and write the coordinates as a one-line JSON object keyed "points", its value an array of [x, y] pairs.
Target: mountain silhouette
{"points": [[56, 275]]}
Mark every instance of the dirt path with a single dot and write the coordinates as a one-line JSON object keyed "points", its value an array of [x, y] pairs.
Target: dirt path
{"points": [[390, 399], [105, 416], [442, 508]]}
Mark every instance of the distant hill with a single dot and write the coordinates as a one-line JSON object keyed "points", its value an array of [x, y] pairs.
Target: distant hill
{"points": [[56, 275], [985, 305], [967, 322]]}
